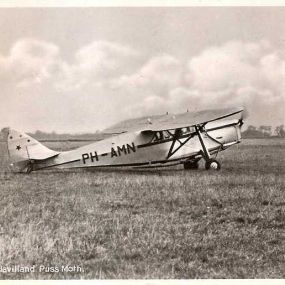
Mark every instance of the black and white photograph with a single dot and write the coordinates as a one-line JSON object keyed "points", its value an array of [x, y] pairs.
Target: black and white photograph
{"points": [[142, 142]]}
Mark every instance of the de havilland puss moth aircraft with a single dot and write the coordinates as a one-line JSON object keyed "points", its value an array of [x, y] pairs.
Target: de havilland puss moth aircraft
{"points": [[156, 141]]}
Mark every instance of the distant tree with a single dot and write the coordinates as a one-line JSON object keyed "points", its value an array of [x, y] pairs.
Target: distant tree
{"points": [[265, 130], [251, 128], [5, 129], [4, 133], [268, 130], [38, 132], [280, 132], [253, 132]]}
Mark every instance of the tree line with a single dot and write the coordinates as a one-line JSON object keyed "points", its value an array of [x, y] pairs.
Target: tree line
{"points": [[264, 131]]}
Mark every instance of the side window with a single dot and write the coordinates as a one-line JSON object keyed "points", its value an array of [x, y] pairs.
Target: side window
{"points": [[166, 134], [158, 136], [188, 130]]}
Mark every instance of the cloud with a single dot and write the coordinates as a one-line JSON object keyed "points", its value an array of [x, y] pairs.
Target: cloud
{"points": [[32, 61], [29, 61], [103, 57], [158, 75], [221, 67], [48, 91], [104, 82], [230, 71], [97, 63], [239, 73]]}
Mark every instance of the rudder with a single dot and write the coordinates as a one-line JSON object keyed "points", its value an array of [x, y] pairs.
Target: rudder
{"points": [[24, 150]]}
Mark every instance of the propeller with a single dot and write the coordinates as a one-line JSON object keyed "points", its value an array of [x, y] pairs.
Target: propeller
{"points": [[244, 115]]}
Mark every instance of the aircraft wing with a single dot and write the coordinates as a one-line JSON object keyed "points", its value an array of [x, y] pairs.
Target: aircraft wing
{"points": [[171, 122], [192, 119]]}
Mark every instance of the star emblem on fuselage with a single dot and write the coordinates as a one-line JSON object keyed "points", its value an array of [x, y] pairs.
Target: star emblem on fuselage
{"points": [[18, 147]]}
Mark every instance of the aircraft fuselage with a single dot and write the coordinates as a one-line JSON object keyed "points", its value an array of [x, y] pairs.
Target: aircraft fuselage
{"points": [[148, 149]]}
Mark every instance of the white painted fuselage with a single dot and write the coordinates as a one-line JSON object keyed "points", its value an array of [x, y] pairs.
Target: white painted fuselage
{"points": [[147, 149]]}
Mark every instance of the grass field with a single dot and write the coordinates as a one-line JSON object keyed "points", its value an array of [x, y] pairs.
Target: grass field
{"points": [[149, 224]]}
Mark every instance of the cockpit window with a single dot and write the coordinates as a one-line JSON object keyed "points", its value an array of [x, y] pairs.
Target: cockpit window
{"points": [[167, 135]]}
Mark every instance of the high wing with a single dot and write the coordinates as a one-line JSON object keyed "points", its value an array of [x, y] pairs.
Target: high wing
{"points": [[171, 122]]}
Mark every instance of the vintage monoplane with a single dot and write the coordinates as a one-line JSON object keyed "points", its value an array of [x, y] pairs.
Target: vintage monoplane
{"points": [[155, 141]]}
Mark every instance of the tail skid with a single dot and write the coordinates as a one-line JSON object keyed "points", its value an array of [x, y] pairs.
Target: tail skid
{"points": [[24, 150]]}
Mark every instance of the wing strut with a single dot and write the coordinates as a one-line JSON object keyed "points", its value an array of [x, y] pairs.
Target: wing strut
{"points": [[205, 150], [176, 138]]}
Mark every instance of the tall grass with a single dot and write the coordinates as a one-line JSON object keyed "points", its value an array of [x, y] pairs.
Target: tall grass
{"points": [[149, 224]]}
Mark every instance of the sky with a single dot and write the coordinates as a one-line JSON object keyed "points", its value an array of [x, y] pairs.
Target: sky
{"points": [[83, 69]]}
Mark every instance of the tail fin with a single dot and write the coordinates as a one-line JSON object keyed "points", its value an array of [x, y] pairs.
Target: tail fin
{"points": [[23, 149]]}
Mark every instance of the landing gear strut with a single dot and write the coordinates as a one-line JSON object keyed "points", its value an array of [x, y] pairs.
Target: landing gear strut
{"points": [[210, 162]]}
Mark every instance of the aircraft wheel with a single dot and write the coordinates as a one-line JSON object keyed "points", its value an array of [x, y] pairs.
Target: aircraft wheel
{"points": [[212, 164], [191, 165]]}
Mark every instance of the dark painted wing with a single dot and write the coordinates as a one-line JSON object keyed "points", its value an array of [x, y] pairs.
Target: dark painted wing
{"points": [[171, 122]]}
